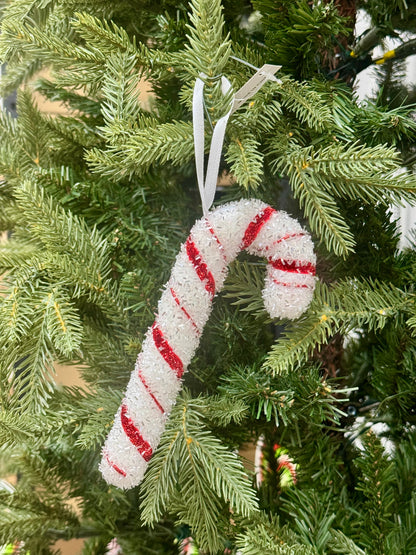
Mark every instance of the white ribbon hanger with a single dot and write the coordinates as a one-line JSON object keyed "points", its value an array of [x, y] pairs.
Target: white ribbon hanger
{"points": [[208, 184]]}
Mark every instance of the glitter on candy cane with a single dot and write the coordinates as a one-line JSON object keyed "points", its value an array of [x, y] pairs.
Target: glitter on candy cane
{"points": [[200, 267], [255, 226], [149, 391], [135, 436], [167, 352], [293, 266], [116, 468], [184, 308], [177, 301]]}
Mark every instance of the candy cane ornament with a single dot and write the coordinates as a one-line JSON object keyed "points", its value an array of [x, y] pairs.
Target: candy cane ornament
{"points": [[185, 305]]}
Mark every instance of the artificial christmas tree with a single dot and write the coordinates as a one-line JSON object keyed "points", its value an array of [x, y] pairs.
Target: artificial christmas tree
{"points": [[97, 203]]}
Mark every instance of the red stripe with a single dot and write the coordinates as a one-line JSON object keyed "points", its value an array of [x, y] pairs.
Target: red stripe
{"points": [[293, 266], [184, 311], [149, 391], [135, 436], [255, 226], [166, 351], [220, 246], [200, 267], [290, 466], [285, 284], [285, 238], [113, 465]]}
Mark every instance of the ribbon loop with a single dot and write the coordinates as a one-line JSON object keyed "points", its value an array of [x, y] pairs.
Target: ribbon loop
{"points": [[207, 185]]}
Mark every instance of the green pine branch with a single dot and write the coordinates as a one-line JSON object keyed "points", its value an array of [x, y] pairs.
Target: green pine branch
{"points": [[269, 536], [299, 33], [17, 74], [25, 515], [28, 375], [169, 142], [23, 12], [312, 516], [84, 414], [108, 37], [245, 285], [23, 143], [222, 410], [210, 474], [339, 543], [261, 114], [246, 161], [73, 100], [121, 90], [106, 362], [67, 238], [208, 49], [287, 400], [348, 305], [15, 430], [377, 485], [23, 306], [69, 135], [368, 173], [323, 214], [305, 102]]}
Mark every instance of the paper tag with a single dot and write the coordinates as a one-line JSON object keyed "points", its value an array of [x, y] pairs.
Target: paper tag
{"points": [[265, 73]]}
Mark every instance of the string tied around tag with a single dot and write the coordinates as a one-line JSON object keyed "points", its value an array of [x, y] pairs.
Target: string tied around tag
{"points": [[207, 184]]}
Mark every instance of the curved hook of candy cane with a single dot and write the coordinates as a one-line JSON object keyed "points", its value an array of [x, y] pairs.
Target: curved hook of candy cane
{"points": [[185, 305]]}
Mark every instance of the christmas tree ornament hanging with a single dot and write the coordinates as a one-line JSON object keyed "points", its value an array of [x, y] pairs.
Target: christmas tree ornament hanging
{"points": [[198, 274], [183, 310], [286, 469]]}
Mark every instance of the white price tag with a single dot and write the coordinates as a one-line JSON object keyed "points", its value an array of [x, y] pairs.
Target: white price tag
{"points": [[249, 89]]}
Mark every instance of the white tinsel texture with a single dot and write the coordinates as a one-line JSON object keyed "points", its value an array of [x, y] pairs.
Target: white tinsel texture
{"points": [[185, 305]]}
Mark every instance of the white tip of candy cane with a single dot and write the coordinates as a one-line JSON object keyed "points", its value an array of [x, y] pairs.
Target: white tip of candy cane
{"points": [[115, 475], [185, 305], [288, 300], [290, 279]]}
